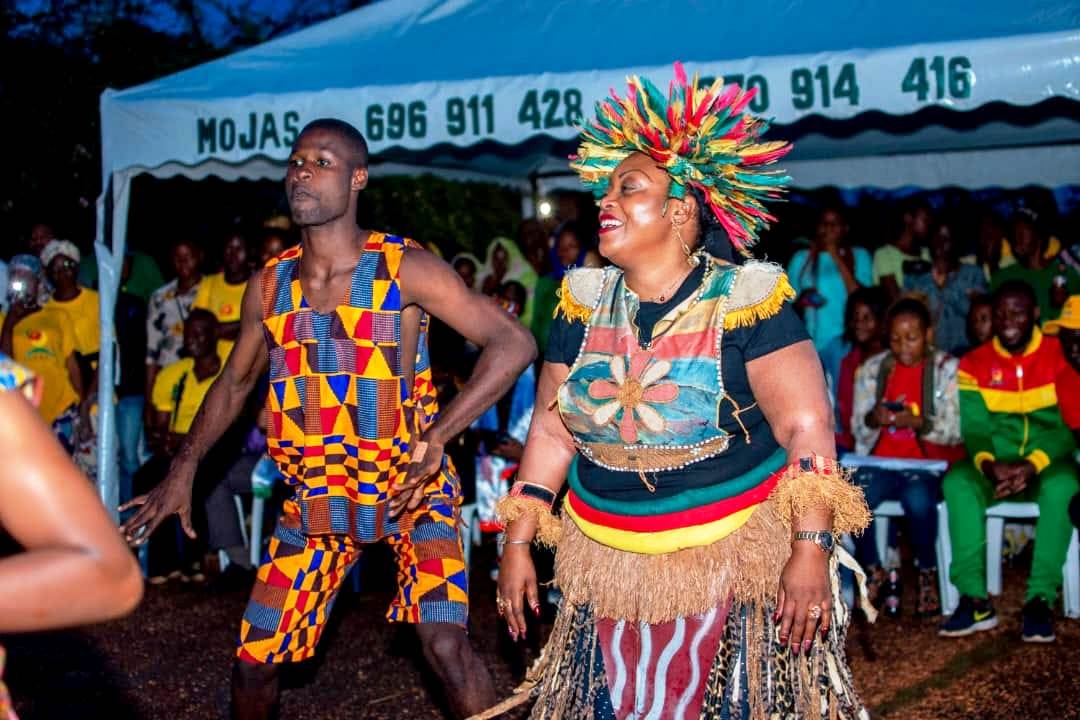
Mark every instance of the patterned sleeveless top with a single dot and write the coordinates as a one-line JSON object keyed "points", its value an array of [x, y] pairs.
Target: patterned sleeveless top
{"points": [[622, 396], [656, 409], [341, 416]]}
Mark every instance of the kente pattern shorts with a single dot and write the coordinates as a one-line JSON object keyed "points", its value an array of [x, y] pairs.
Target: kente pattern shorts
{"points": [[300, 577]]}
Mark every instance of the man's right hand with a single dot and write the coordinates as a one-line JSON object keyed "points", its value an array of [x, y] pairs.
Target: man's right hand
{"points": [[172, 495], [18, 310]]}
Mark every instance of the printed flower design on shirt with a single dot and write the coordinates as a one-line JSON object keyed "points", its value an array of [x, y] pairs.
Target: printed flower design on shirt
{"points": [[633, 390]]}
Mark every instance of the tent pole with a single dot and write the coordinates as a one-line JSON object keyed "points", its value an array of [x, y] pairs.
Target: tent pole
{"points": [[110, 263], [528, 200]]}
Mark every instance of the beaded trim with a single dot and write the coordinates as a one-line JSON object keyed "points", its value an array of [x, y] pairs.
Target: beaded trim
{"points": [[664, 458], [608, 273]]}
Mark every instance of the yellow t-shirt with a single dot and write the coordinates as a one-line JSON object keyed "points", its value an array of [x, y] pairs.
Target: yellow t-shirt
{"points": [[42, 343], [84, 314], [178, 392], [220, 298]]}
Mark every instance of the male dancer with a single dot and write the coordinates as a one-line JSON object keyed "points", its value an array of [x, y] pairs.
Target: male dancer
{"points": [[341, 323]]}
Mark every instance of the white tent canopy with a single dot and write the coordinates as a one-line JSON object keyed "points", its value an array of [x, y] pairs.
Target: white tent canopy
{"points": [[874, 94]]}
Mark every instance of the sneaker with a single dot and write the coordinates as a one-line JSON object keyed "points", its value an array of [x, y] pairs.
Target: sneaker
{"points": [[928, 604], [971, 616], [1038, 624]]}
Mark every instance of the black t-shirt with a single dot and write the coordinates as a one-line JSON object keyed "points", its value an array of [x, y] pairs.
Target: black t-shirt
{"points": [[131, 332], [739, 346]]}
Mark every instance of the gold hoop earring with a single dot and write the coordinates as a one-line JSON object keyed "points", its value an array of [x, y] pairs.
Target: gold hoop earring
{"points": [[690, 259]]}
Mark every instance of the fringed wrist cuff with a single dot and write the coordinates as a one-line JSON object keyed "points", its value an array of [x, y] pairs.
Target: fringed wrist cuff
{"points": [[820, 482], [525, 498]]}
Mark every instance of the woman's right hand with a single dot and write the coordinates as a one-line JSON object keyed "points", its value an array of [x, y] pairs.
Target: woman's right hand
{"points": [[517, 588]]}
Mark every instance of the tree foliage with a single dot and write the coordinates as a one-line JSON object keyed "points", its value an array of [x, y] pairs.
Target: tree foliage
{"points": [[59, 55]]}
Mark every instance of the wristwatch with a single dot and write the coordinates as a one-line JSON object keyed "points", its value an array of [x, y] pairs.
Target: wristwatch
{"points": [[822, 538]]}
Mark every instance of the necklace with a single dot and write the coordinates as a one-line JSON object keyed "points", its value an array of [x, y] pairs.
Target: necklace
{"points": [[666, 295]]}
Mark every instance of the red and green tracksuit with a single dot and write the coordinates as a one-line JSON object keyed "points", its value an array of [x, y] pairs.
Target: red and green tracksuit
{"points": [[1008, 412]]}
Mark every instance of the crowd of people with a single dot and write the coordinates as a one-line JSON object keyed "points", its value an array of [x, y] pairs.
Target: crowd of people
{"points": [[891, 328], [935, 353], [932, 355]]}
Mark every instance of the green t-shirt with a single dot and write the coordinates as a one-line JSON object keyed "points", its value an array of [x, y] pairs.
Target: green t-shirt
{"points": [[1042, 281], [145, 275], [544, 302], [889, 260]]}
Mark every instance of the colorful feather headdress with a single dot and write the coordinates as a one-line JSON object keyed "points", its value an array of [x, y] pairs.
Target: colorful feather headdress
{"points": [[702, 136]]}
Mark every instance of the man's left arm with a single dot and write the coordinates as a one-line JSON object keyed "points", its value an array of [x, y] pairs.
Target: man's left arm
{"points": [[1053, 443], [507, 348]]}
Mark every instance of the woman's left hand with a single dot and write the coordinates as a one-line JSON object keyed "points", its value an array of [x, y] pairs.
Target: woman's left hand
{"points": [[804, 586]]}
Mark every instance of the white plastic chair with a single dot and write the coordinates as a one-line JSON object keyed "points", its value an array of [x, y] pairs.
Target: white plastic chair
{"points": [[258, 507], [882, 513], [470, 531], [995, 530], [223, 557]]}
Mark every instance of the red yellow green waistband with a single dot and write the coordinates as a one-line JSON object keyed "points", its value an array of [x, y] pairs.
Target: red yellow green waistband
{"points": [[668, 532]]}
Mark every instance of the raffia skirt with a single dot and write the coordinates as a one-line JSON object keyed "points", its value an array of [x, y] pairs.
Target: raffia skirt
{"points": [[723, 596]]}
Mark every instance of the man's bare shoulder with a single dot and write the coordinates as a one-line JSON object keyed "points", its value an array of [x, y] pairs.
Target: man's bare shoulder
{"points": [[425, 276]]}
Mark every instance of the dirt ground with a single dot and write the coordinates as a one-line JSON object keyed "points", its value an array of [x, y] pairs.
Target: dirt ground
{"points": [[171, 660]]}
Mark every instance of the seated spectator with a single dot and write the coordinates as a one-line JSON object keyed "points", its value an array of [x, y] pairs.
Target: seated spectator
{"points": [[569, 251], [505, 262], [980, 322], [274, 242], [502, 429], [1067, 328], [466, 266], [1052, 281], [60, 258], [825, 274], [906, 407], [222, 293], [909, 245], [989, 238], [1020, 450], [42, 339], [864, 336], [178, 393], [169, 307], [948, 287], [224, 532]]}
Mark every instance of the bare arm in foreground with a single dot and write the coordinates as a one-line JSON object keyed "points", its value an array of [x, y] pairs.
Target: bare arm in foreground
{"points": [[75, 569]]}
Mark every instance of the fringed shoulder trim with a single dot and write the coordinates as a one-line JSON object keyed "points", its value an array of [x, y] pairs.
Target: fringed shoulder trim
{"points": [[760, 290], [579, 294]]}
